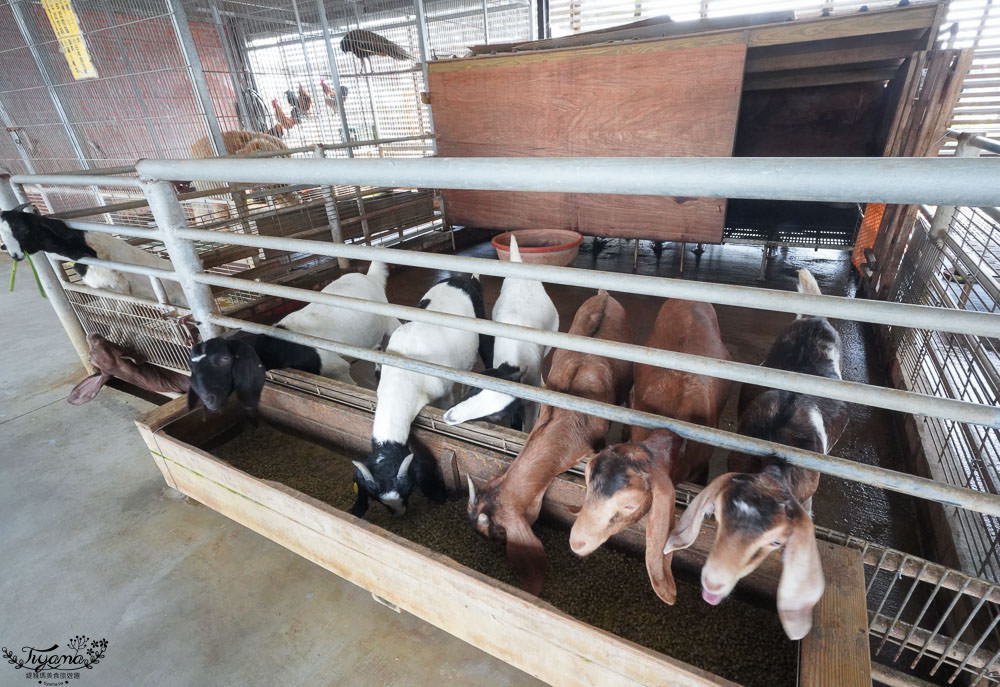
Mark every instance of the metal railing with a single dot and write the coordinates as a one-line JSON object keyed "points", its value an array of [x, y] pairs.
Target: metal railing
{"points": [[895, 620]]}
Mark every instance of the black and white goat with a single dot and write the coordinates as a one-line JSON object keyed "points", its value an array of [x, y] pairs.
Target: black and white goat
{"points": [[763, 503], [26, 233], [237, 363], [521, 302], [394, 468]]}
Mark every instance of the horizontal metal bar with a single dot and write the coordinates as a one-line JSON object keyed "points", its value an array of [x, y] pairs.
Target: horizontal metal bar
{"points": [[981, 142], [126, 267], [138, 232], [853, 392], [84, 180], [939, 181], [878, 312], [918, 487]]}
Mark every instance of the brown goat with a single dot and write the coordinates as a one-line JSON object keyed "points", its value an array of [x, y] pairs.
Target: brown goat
{"points": [[112, 361], [627, 481], [508, 505], [765, 506]]}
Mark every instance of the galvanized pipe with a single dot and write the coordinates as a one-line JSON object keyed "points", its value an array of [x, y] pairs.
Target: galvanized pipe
{"points": [[146, 271], [51, 286], [852, 392], [182, 31], [981, 142], [331, 58], [100, 228], [918, 487], [910, 181], [332, 214], [170, 219], [74, 179], [878, 312]]}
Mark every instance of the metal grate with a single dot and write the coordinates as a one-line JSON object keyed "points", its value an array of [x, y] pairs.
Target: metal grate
{"points": [[958, 272]]}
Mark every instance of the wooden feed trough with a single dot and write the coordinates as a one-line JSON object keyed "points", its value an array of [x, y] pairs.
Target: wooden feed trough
{"points": [[502, 620]]}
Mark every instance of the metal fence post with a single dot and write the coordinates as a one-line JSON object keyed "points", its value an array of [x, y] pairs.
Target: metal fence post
{"points": [[182, 30], [332, 213], [941, 221], [331, 58], [169, 216], [50, 284]]}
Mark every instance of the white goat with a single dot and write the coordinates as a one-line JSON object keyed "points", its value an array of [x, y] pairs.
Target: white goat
{"points": [[521, 302], [390, 472], [353, 327]]}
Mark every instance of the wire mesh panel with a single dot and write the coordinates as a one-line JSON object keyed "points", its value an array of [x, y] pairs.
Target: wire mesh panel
{"points": [[961, 271]]}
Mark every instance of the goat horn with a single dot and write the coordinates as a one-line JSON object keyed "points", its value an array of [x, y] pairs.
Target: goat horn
{"points": [[404, 466], [363, 469], [22, 206], [472, 491]]}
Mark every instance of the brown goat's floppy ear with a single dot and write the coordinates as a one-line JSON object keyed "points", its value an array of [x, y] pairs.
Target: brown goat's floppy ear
{"points": [[87, 389], [688, 528], [248, 374], [659, 522], [526, 556], [802, 583]]}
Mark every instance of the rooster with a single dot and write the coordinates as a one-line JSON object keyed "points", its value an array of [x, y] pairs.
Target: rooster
{"points": [[329, 97], [305, 100], [368, 44], [279, 114]]}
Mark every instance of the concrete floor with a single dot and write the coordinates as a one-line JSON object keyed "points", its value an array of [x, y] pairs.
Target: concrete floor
{"points": [[91, 544]]}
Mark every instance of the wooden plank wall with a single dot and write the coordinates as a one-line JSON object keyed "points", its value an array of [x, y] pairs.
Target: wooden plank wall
{"points": [[632, 101]]}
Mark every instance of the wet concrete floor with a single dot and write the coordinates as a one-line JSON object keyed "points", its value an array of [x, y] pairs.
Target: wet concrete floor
{"points": [[871, 436]]}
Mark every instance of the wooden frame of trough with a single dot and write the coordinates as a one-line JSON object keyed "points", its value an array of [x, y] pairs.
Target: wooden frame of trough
{"points": [[500, 619]]}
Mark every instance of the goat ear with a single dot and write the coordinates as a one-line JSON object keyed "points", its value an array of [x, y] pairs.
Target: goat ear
{"points": [[659, 522], [802, 583], [526, 556], [248, 374], [87, 389], [688, 528], [428, 476], [59, 230]]}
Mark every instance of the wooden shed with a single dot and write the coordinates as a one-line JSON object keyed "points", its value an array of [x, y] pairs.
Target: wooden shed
{"points": [[755, 85]]}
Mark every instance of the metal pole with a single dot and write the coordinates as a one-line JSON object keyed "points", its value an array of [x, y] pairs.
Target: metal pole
{"points": [[308, 62], [988, 144], [334, 75], [877, 312], [182, 30], [227, 54], [486, 23], [332, 213], [423, 40], [169, 216], [50, 284], [906, 181], [944, 213], [919, 487], [852, 392]]}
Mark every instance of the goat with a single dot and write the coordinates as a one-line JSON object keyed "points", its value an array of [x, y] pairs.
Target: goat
{"points": [[237, 363], [221, 365], [629, 480], [763, 503], [507, 506], [522, 302], [26, 233], [112, 361], [391, 471]]}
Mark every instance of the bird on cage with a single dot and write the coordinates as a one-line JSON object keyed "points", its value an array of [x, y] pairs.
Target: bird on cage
{"points": [[277, 131], [305, 100], [283, 119], [329, 97], [293, 100], [367, 44]]}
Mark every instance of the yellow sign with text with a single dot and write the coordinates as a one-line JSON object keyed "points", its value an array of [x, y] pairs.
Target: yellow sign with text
{"points": [[71, 43]]}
